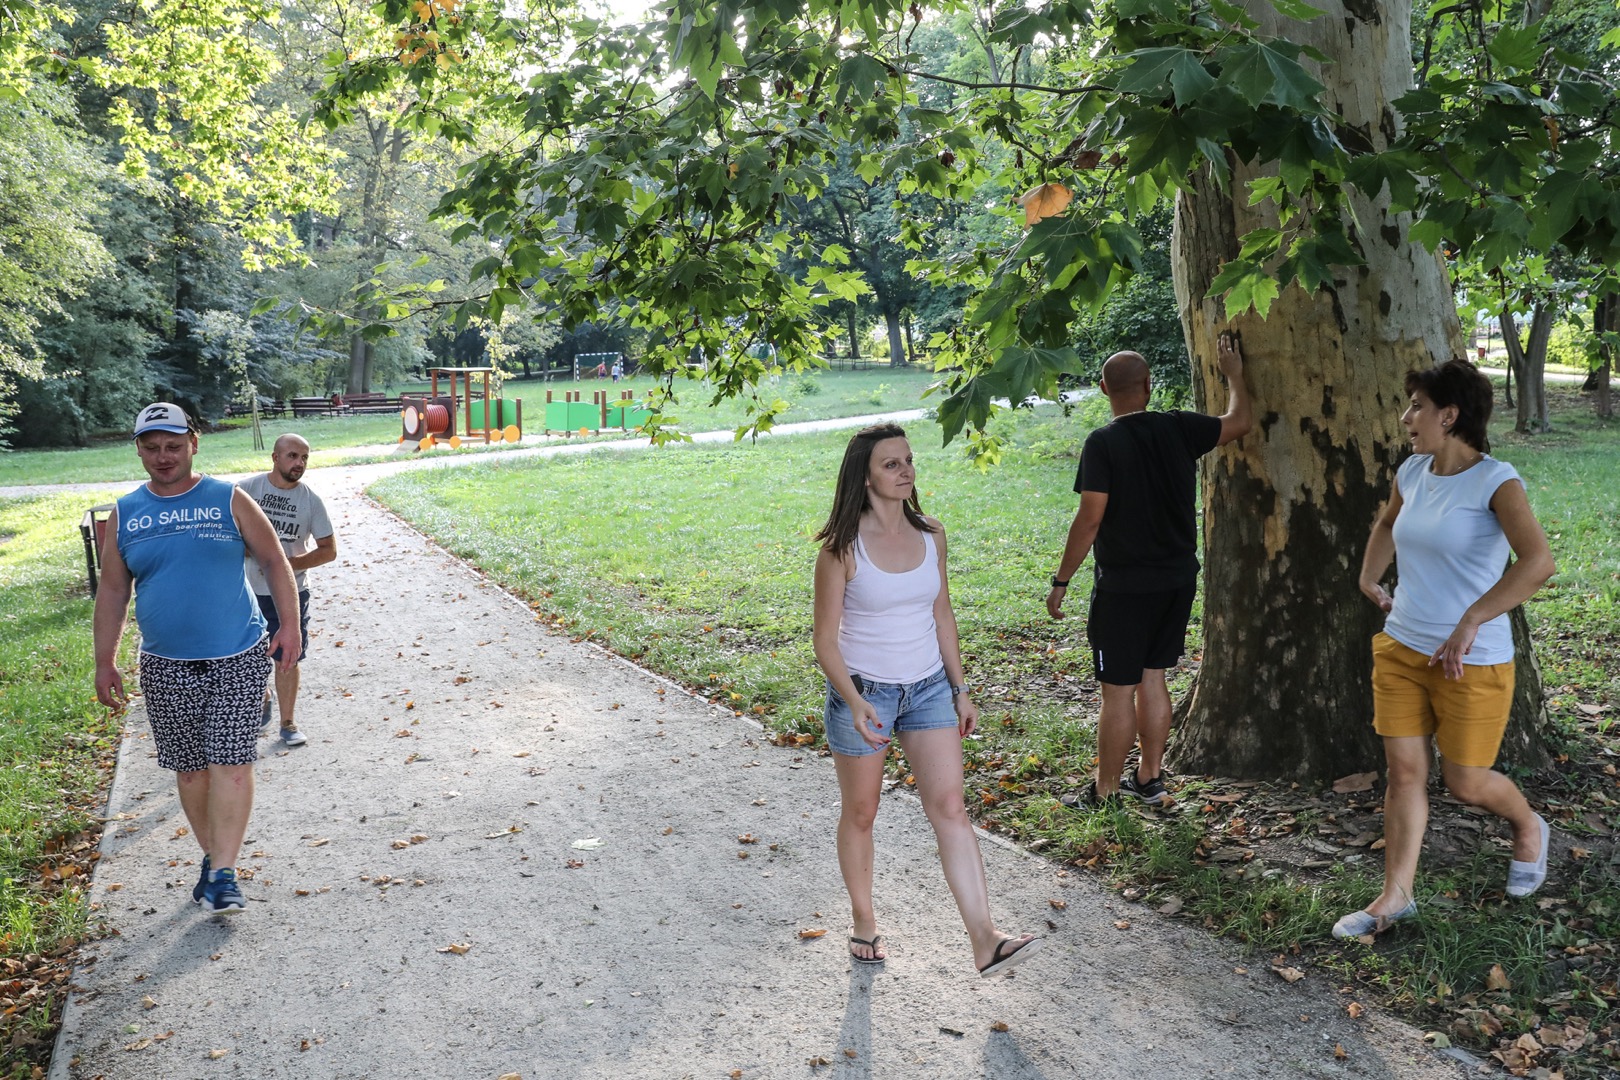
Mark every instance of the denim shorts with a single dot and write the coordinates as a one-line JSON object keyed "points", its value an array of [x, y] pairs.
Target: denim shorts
{"points": [[919, 706]]}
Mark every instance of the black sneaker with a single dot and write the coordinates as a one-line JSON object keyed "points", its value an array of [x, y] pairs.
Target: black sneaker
{"points": [[202, 882], [1088, 799], [1149, 791], [221, 896]]}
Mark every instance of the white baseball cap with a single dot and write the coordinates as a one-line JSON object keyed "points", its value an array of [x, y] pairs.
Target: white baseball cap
{"points": [[162, 416]]}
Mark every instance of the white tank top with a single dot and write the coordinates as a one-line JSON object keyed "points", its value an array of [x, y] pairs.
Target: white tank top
{"points": [[888, 633]]}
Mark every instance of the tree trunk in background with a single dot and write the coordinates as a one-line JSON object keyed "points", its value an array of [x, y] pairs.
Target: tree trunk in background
{"points": [[1605, 319], [854, 338], [897, 344], [1284, 689], [1528, 360]]}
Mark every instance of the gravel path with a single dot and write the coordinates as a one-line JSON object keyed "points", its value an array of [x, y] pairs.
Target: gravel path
{"points": [[503, 852]]}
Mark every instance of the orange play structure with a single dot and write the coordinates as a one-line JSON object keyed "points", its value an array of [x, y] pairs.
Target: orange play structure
{"points": [[429, 419]]}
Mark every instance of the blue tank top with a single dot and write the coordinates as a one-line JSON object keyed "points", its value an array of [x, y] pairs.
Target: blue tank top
{"points": [[185, 554]]}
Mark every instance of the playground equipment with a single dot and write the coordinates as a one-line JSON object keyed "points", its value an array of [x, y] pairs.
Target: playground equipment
{"points": [[571, 415], [428, 419]]}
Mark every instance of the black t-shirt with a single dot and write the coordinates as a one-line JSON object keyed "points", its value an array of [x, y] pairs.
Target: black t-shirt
{"points": [[1146, 463]]}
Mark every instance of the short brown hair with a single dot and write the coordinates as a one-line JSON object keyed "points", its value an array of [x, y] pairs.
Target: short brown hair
{"points": [[1460, 385]]}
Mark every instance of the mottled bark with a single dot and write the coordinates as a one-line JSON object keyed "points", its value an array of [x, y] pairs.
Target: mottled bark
{"points": [[1284, 685]]}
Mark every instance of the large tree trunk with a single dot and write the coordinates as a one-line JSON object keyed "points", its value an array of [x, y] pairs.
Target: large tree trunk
{"points": [[1284, 688], [854, 338]]}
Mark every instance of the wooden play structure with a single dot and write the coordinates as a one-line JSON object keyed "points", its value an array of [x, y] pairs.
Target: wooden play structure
{"points": [[431, 418], [572, 416]]}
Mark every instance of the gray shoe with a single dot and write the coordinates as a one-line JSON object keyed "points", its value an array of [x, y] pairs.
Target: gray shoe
{"points": [[293, 737], [269, 712]]}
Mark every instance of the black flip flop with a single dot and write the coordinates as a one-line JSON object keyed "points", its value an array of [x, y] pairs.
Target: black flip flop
{"points": [[1000, 962], [874, 944]]}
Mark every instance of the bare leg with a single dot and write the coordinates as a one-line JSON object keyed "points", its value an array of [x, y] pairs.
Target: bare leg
{"points": [[935, 757], [1406, 817], [860, 783], [1152, 722], [1116, 732], [287, 695], [1493, 791], [194, 803], [230, 802]]}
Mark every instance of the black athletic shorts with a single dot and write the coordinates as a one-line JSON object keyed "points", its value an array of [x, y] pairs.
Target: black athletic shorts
{"points": [[1130, 631], [267, 607]]}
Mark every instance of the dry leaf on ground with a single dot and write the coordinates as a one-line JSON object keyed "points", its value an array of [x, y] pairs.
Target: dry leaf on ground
{"points": [[1361, 781], [456, 947], [806, 935]]}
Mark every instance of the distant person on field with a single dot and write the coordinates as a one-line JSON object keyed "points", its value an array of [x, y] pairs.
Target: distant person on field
{"points": [[601, 371], [300, 520], [1138, 481], [618, 370], [1443, 664], [885, 636], [180, 539]]}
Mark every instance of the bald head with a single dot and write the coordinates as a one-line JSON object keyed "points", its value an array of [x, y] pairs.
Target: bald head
{"points": [[289, 441], [1125, 380]]}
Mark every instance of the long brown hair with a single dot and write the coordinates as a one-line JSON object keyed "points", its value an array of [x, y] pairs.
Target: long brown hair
{"points": [[849, 498]]}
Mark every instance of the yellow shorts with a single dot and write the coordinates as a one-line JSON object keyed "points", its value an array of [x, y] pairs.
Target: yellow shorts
{"points": [[1466, 716]]}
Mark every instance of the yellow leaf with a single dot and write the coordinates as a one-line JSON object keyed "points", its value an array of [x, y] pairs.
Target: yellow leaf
{"points": [[806, 935], [215, 1055], [1044, 201], [1496, 979], [455, 947]]}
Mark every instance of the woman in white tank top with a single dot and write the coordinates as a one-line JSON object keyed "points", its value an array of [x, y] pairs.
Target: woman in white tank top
{"points": [[885, 636]]}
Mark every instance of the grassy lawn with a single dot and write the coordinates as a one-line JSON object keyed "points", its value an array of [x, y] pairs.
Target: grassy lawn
{"points": [[699, 568], [353, 440], [56, 751]]}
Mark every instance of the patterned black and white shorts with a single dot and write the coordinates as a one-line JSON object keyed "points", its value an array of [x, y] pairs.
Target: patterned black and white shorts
{"points": [[205, 712]]}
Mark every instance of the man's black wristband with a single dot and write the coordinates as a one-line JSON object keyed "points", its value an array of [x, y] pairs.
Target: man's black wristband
{"points": [[1056, 584]]}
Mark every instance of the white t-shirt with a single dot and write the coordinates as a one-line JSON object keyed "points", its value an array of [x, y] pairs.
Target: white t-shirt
{"points": [[1449, 551], [297, 513]]}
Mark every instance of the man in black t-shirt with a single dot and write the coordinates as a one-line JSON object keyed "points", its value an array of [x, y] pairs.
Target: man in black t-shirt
{"points": [[1137, 483]]}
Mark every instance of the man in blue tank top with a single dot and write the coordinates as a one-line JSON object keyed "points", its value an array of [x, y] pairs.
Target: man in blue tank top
{"points": [[1138, 483], [179, 543]]}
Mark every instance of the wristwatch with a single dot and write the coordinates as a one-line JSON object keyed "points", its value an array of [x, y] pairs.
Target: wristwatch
{"points": [[1056, 584], [959, 689]]}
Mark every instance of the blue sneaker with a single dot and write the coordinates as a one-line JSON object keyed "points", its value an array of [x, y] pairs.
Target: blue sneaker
{"points": [[202, 882], [220, 895]]}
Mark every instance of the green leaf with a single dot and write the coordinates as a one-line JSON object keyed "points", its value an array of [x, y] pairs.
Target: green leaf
{"points": [[1517, 47], [1020, 372], [1245, 285], [1147, 71], [1296, 9], [971, 403], [1189, 79]]}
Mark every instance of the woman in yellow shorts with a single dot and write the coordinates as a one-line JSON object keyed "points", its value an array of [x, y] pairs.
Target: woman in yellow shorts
{"points": [[1443, 665]]}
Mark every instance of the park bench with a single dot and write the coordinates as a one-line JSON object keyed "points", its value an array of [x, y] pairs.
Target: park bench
{"points": [[316, 406], [370, 403], [267, 407]]}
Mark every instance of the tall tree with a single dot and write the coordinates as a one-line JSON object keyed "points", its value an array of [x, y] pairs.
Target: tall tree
{"points": [[1318, 175]]}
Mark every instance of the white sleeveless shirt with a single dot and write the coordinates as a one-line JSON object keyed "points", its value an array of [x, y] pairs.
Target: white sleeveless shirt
{"points": [[887, 633]]}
